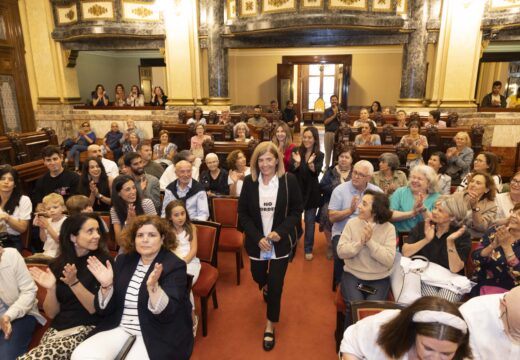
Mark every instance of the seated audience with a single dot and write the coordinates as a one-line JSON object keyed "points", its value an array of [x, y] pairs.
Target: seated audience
{"points": [[189, 190], [333, 177], [131, 128], [78, 204], [375, 107], [18, 305], [386, 111], [135, 98], [151, 167], [484, 162], [112, 141], [238, 170], [50, 222], [95, 184], [186, 234], [197, 140], [368, 136], [273, 107], [411, 203], [494, 325], [459, 157], [257, 120], [110, 166], [225, 117], [132, 144], [99, 96], [497, 264], [343, 206], [241, 132], [120, 96], [71, 288], [443, 241], [438, 162], [434, 120], [476, 204], [306, 164], [57, 179], [289, 115], [494, 98], [169, 175], [164, 151], [415, 143], [389, 178], [80, 143], [127, 204], [158, 97], [367, 248], [513, 101], [506, 201], [401, 118], [363, 118], [197, 117], [143, 295], [429, 328], [147, 184], [214, 179], [283, 140], [15, 209]]}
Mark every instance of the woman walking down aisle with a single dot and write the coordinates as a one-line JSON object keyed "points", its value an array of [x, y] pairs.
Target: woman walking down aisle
{"points": [[306, 163], [269, 212]]}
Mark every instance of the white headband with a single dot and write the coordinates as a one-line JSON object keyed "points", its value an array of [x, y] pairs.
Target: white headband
{"points": [[441, 317]]}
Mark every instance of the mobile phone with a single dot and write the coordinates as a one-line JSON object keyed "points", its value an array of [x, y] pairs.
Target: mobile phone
{"points": [[367, 289]]}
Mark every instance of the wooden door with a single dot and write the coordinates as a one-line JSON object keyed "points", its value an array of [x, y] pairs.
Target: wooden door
{"points": [[284, 78]]}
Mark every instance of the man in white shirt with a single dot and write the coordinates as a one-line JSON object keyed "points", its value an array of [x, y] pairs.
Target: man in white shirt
{"points": [[494, 325], [111, 168], [169, 174], [189, 190]]}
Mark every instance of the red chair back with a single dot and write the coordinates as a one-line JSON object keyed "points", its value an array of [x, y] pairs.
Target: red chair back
{"points": [[225, 210], [208, 233], [362, 309]]}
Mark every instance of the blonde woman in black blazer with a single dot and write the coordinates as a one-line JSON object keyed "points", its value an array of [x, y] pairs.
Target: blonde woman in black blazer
{"points": [[269, 213]]}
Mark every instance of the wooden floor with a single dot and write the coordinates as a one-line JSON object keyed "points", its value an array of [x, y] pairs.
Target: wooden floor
{"points": [[307, 319]]}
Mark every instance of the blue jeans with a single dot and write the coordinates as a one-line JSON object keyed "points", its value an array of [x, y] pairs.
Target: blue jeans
{"points": [[20, 339], [350, 292], [309, 217], [74, 152]]}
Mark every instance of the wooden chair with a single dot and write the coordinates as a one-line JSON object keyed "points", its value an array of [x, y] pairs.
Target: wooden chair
{"points": [[40, 295], [207, 245], [225, 211], [110, 238]]}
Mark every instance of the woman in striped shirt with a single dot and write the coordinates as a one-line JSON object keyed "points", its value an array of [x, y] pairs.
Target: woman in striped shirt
{"points": [[144, 297]]}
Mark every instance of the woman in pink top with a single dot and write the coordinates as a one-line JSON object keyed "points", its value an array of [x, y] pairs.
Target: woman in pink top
{"points": [[197, 140]]}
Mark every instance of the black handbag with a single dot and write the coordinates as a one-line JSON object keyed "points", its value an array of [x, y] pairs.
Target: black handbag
{"points": [[296, 233]]}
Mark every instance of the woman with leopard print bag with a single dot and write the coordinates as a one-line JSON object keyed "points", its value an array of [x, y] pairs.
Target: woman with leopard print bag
{"points": [[69, 301]]}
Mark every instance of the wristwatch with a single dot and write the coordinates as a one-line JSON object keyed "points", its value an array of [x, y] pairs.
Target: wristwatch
{"points": [[477, 209]]}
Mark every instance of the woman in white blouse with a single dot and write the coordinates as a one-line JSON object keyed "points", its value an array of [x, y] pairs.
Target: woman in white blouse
{"points": [[15, 208], [143, 297]]}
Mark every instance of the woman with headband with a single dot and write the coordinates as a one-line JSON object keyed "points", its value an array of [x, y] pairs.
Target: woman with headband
{"points": [[429, 328]]}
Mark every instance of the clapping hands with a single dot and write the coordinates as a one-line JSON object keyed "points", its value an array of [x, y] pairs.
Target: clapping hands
{"points": [[103, 274]]}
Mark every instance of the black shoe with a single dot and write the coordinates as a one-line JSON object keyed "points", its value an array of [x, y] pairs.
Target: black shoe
{"points": [[269, 344], [264, 293]]}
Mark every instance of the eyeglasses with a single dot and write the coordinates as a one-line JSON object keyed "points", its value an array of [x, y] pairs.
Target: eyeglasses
{"points": [[85, 125], [358, 174]]}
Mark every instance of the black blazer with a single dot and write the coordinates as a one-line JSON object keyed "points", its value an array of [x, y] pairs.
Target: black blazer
{"points": [[308, 180], [250, 221], [486, 101], [167, 335]]}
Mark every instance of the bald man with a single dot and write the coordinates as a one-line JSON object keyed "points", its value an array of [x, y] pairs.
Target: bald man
{"points": [[189, 190], [111, 168], [494, 325]]}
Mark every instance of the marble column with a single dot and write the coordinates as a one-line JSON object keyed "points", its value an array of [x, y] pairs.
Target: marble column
{"points": [[413, 77], [217, 54]]}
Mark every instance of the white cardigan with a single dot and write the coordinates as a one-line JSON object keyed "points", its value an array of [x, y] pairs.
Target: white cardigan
{"points": [[17, 288]]}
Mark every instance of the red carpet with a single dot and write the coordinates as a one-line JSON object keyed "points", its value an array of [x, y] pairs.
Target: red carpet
{"points": [[307, 318]]}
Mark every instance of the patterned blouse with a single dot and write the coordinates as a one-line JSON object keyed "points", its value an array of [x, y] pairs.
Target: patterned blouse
{"points": [[164, 152], [495, 270]]}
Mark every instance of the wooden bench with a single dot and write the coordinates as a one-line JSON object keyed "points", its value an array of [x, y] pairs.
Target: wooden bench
{"points": [[29, 173], [7, 153], [223, 148], [29, 145]]}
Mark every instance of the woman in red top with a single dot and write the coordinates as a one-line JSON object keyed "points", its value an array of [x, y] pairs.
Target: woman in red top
{"points": [[283, 140]]}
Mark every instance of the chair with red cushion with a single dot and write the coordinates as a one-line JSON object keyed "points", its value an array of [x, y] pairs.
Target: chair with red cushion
{"points": [[225, 211], [207, 245]]}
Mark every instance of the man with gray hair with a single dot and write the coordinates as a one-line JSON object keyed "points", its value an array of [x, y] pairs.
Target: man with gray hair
{"points": [[343, 206], [169, 174]]}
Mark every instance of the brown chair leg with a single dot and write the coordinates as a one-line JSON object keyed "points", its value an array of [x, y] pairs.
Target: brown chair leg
{"points": [[204, 311], [338, 334], [238, 256], [241, 260], [214, 297]]}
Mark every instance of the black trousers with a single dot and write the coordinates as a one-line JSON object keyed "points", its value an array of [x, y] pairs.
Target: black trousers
{"points": [[272, 274]]}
